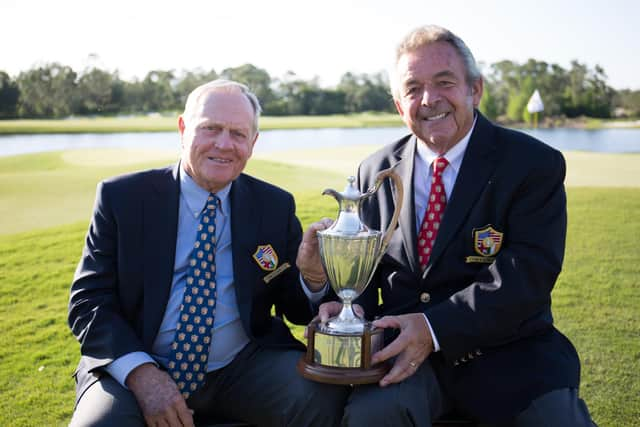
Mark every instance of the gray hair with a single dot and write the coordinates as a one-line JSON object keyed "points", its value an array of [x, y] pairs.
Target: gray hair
{"points": [[429, 34], [222, 85]]}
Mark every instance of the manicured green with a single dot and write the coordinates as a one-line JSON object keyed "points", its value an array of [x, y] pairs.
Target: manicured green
{"points": [[595, 301], [584, 169], [49, 189], [169, 122]]}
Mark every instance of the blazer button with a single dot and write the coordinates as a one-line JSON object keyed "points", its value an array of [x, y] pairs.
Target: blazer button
{"points": [[425, 297]]}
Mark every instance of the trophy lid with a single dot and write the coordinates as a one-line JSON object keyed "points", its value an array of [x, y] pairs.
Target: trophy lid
{"points": [[348, 222]]}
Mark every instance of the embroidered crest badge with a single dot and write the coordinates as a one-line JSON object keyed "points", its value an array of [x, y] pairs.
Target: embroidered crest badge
{"points": [[266, 257], [487, 241]]}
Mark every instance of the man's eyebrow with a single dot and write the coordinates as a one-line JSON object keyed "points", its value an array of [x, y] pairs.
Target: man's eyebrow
{"points": [[410, 81], [445, 73], [218, 124], [440, 74]]}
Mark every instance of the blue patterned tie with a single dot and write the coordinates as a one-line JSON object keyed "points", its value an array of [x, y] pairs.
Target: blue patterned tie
{"points": [[190, 347]]}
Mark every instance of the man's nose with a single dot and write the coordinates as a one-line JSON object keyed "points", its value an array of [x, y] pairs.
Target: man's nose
{"points": [[430, 96], [223, 141]]}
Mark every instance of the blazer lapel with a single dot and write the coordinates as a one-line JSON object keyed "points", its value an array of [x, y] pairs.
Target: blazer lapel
{"points": [[404, 168], [477, 166], [160, 225], [245, 224]]}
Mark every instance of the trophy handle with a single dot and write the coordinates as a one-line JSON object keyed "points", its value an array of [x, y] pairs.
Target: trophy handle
{"points": [[388, 233]]}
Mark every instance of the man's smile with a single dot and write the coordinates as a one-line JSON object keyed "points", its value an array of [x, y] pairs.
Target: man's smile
{"points": [[435, 117], [218, 159]]}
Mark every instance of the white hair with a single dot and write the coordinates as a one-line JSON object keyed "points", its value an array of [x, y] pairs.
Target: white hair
{"points": [[222, 85], [424, 36]]}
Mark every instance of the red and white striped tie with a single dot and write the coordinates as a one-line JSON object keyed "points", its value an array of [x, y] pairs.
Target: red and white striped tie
{"points": [[433, 215]]}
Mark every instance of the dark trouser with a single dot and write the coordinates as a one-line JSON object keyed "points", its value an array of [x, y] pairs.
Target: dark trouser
{"points": [[419, 399], [558, 408], [260, 386]]}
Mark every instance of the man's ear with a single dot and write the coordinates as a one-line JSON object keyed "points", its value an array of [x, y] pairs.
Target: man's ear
{"points": [[398, 106], [476, 91], [181, 125], [253, 143]]}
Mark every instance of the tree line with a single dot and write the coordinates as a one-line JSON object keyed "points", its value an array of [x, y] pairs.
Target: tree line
{"points": [[55, 91], [577, 91]]}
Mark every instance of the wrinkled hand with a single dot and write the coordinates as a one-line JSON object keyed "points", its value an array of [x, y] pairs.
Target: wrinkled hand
{"points": [[412, 346], [159, 398], [308, 260], [330, 309]]}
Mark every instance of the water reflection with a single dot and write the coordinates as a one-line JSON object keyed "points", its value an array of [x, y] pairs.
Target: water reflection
{"points": [[598, 140], [602, 140]]}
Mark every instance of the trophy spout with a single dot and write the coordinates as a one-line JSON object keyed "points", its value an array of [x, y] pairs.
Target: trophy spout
{"points": [[334, 193]]}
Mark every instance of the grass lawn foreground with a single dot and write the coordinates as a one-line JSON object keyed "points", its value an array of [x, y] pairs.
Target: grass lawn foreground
{"points": [[45, 204]]}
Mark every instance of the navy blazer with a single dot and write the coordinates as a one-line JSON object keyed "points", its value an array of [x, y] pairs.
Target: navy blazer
{"points": [[490, 313], [122, 283]]}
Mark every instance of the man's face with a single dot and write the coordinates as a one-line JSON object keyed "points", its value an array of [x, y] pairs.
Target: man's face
{"points": [[217, 138], [434, 99]]}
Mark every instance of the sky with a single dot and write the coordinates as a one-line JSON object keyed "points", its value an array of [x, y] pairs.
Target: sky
{"points": [[314, 39]]}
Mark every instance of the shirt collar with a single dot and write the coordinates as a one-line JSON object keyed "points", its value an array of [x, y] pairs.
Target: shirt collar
{"points": [[196, 196], [454, 155]]}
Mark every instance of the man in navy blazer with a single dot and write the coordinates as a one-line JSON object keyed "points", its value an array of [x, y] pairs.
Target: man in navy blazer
{"points": [[468, 294], [128, 289]]}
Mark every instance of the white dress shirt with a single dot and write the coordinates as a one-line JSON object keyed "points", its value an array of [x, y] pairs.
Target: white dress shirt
{"points": [[422, 173]]}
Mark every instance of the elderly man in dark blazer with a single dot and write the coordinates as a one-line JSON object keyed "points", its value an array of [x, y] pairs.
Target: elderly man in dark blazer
{"points": [[171, 301], [467, 278]]}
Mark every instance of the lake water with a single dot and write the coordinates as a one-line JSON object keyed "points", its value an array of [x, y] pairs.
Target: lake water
{"points": [[602, 140]]}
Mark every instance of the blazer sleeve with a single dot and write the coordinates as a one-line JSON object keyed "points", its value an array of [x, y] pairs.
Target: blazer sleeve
{"points": [[95, 315], [290, 300], [511, 297]]}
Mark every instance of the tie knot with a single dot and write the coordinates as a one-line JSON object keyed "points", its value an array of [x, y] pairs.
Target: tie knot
{"points": [[439, 164], [212, 202]]}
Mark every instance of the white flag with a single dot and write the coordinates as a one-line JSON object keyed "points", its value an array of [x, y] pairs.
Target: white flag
{"points": [[535, 104]]}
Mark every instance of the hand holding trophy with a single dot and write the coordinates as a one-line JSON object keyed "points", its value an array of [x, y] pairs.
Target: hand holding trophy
{"points": [[339, 351]]}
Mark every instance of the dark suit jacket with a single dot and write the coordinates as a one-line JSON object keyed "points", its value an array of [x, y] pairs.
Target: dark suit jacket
{"points": [[122, 283], [499, 348]]}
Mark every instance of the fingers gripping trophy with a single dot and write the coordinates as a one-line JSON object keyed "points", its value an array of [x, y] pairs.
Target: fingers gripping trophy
{"points": [[339, 351]]}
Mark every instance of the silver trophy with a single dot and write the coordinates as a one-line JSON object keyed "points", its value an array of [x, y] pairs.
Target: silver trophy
{"points": [[339, 351]]}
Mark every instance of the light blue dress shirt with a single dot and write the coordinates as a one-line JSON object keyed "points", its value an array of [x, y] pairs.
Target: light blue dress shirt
{"points": [[228, 335]]}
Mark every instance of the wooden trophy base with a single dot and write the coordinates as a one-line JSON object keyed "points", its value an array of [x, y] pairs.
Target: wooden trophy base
{"points": [[342, 358]]}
